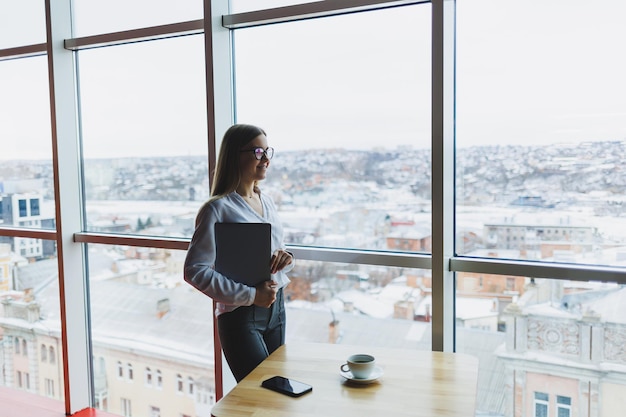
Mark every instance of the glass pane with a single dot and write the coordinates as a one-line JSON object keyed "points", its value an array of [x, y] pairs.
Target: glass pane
{"points": [[144, 136], [153, 337], [22, 23], [540, 340], [30, 325], [541, 130], [563, 400], [359, 305], [94, 17], [541, 410], [26, 178], [347, 109], [152, 333]]}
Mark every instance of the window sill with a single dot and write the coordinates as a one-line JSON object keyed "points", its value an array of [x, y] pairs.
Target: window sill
{"points": [[16, 403]]}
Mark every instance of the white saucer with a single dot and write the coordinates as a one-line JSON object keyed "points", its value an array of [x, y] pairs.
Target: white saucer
{"points": [[376, 373]]}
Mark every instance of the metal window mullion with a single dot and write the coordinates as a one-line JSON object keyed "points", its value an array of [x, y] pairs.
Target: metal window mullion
{"points": [[28, 233], [309, 10], [132, 240], [321, 254], [535, 269], [496, 266], [191, 27], [220, 115], [362, 257], [443, 313], [76, 344], [23, 51]]}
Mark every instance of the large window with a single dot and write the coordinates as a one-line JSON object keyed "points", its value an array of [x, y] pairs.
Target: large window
{"points": [[29, 281], [547, 333], [348, 112], [144, 128], [359, 305], [462, 196], [541, 130], [30, 323], [26, 178], [540, 127], [152, 324]]}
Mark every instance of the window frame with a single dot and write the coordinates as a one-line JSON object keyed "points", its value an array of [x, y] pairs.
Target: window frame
{"points": [[180, 384], [563, 404], [541, 402], [51, 355], [148, 377], [159, 379], [125, 405], [34, 206], [130, 376], [22, 207]]}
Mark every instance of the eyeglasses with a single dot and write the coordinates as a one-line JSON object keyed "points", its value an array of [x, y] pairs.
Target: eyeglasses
{"points": [[260, 152]]}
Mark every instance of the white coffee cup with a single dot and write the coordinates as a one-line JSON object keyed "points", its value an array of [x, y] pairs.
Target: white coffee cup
{"points": [[360, 365]]}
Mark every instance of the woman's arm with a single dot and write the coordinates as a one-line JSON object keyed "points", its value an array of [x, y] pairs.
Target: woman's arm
{"points": [[199, 265]]}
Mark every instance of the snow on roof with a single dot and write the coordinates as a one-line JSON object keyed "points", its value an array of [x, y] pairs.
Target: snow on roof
{"points": [[549, 309], [472, 308], [367, 304], [611, 307]]}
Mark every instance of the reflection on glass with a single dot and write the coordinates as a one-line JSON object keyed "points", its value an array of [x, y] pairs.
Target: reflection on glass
{"points": [[94, 17], [22, 23], [541, 132], [30, 323], [26, 179], [563, 339], [144, 136], [349, 118]]}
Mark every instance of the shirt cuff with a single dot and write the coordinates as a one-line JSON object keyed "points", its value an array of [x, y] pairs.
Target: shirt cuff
{"points": [[252, 296]]}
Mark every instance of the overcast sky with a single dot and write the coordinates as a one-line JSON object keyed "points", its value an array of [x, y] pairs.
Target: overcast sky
{"points": [[531, 72]]}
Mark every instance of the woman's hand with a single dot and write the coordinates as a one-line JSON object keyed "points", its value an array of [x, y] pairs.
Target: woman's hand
{"points": [[265, 293], [280, 259]]}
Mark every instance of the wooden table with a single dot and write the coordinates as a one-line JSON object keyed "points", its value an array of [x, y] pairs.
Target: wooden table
{"points": [[414, 383]]}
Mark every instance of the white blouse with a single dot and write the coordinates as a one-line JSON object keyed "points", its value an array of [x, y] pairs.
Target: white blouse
{"points": [[199, 264]]}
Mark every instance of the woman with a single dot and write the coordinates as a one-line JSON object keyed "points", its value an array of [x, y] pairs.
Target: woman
{"points": [[250, 320]]}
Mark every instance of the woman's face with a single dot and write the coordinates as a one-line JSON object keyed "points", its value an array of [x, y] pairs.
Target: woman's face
{"points": [[253, 169]]}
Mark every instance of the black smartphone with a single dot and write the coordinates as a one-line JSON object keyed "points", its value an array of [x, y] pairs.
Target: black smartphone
{"points": [[286, 386]]}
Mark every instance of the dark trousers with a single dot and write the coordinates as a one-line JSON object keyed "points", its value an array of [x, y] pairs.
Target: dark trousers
{"points": [[249, 334]]}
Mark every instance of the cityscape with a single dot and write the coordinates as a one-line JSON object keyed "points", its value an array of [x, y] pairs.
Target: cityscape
{"points": [[152, 333]]}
